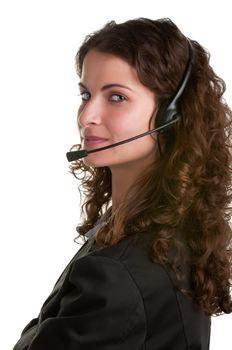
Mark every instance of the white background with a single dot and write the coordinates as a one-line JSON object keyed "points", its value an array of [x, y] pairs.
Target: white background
{"points": [[38, 84]]}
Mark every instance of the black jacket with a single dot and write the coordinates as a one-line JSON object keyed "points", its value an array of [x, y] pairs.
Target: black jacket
{"points": [[116, 298]]}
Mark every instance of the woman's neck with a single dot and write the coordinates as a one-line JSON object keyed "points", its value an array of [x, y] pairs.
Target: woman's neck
{"points": [[121, 183]]}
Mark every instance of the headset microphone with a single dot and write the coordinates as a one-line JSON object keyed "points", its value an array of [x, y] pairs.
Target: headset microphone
{"points": [[75, 155], [165, 117]]}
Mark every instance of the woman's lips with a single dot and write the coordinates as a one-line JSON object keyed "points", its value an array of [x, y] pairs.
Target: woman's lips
{"points": [[93, 141]]}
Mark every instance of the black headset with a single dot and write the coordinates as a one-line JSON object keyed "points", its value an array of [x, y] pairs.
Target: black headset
{"points": [[168, 111]]}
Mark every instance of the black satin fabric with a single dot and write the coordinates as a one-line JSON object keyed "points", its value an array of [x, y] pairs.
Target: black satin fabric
{"points": [[116, 298]]}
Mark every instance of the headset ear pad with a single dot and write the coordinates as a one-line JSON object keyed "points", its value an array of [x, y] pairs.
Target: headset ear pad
{"points": [[165, 114]]}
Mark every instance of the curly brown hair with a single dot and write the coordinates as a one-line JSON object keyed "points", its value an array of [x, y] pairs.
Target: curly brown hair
{"points": [[185, 196]]}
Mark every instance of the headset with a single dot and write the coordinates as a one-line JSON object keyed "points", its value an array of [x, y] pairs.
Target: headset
{"points": [[166, 116], [168, 111]]}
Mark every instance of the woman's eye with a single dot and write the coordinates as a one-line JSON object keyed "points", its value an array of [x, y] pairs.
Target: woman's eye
{"points": [[117, 98], [85, 96]]}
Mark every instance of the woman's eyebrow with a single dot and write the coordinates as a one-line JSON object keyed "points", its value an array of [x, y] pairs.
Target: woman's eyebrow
{"points": [[108, 86]]}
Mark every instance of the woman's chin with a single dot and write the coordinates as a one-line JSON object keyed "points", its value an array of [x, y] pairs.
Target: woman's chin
{"points": [[96, 163]]}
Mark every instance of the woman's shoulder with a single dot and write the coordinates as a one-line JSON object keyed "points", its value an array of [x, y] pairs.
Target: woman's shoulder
{"points": [[127, 246], [129, 264], [156, 286], [131, 257], [134, 254]]}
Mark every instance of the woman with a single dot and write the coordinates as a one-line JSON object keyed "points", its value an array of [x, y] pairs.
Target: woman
{"points": [[157, 261]]}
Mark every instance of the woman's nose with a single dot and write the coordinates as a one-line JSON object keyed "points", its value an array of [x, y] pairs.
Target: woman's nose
{"points": [[91, 113]]}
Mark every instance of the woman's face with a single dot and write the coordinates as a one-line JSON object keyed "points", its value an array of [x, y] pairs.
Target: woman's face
{"points": [[115, 106]]}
